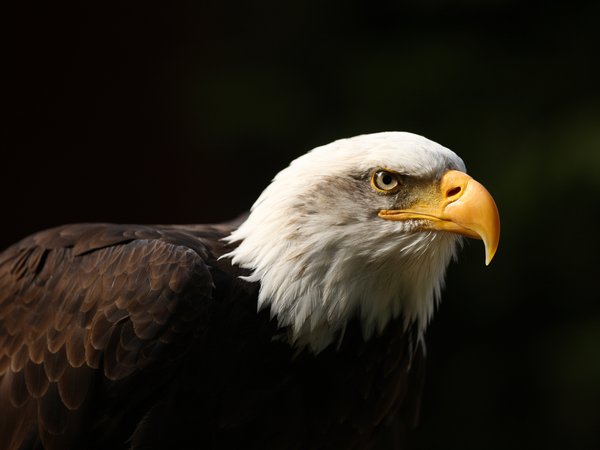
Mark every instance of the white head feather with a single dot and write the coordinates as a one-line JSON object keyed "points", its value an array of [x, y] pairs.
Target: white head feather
{"points": [[322, 255]]}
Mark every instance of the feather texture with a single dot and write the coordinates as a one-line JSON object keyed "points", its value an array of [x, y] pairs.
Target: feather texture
{"points": [[67, 313]]}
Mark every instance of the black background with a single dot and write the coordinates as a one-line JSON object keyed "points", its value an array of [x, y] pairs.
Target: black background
{"points": [[182, 113]]}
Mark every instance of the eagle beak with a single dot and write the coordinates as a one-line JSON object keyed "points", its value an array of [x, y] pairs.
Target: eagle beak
{"points": [[461, 205]]}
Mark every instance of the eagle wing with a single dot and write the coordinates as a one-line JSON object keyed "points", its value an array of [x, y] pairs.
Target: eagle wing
{"points": [[84, 308]]}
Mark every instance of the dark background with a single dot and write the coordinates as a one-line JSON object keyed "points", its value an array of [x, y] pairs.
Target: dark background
{"points": [[183, 113]]}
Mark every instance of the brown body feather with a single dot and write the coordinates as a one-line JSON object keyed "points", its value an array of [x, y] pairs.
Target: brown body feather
{"points": [[127, 336]]}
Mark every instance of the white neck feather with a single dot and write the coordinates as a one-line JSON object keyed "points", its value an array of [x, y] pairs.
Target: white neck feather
{"points": [[321, 263]]}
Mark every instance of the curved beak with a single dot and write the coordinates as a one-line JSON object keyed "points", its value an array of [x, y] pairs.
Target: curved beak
{"points": [[461, 205]]}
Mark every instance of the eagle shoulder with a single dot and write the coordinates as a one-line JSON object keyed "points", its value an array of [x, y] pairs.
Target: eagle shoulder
{"points": [[82, 300]]}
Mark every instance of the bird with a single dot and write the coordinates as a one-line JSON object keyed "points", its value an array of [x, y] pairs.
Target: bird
{"points": [[299, 325]]}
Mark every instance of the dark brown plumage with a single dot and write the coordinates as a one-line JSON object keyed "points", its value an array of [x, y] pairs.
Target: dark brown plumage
{"points": [[130, 336]]}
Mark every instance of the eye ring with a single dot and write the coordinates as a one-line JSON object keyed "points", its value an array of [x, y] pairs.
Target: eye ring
{"points": [[385, 181]]}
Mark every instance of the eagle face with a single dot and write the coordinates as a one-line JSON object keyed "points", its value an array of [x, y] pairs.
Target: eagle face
{"points": [[362, 227]]}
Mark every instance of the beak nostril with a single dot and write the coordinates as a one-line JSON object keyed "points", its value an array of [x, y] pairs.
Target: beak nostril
{"points": [[454, 191]]}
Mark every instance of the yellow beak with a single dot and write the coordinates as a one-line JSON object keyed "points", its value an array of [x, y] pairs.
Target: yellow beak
{"points": [[462, 206]]}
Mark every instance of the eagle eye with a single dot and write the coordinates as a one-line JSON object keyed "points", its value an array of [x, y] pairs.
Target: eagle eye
{"points": [[384, 181]]}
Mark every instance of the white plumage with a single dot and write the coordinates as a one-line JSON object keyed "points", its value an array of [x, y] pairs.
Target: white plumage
{"points": [[321, 253]]}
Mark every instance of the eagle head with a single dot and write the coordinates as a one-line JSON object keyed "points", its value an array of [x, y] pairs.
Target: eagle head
{"points": [[362, 227]]}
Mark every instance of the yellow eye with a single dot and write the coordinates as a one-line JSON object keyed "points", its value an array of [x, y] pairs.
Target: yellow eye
{"points": [[384, 180]]}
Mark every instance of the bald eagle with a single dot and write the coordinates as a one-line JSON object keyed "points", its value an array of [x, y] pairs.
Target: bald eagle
{"points": [[298, 327]]}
